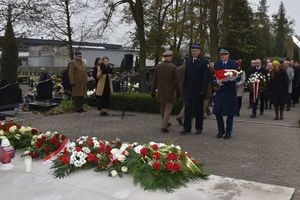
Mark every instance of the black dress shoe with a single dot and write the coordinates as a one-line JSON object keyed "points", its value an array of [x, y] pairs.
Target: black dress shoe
{"points": [[79, 111], [252, 116], [220, 134], [227, 136], [198, 132], [169, 125], [185, 132], [261, 113], [179, 121], [164, 130]]}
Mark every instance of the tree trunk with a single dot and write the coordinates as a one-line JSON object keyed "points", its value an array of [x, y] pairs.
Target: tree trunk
{"points": [[69, 30], [213, 26]]}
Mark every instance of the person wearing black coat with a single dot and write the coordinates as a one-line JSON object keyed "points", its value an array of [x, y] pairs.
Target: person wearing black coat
{"points": [[194, 89], [263, 71], [279, 89]]}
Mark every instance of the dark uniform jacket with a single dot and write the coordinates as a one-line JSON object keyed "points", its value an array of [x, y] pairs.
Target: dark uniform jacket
{"points": [[196, 78], [226, 97]]}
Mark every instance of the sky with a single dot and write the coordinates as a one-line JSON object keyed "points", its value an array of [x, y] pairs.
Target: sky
{"points": [[292, 7]]}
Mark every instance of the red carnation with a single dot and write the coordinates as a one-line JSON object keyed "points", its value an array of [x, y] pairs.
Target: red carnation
{"points": [[90, 142], [64, 159], [47, 149], [91, 157], [169, 166], [54, 140], [108, 149], [39, 144], [176, 167], [154, 147], [172, 156], [114, 162], [156, 166], [34, 154], [78, 149], [34, 131], [144, 152], [195, 161], [63, 137], [156, 155]]}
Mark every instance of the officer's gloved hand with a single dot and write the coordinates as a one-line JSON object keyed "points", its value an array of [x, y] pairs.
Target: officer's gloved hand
{"points": [[219, 82]]}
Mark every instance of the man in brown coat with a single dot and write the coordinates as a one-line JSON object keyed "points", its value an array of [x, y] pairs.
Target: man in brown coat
{"points": [[78, 81], [165, 83]]}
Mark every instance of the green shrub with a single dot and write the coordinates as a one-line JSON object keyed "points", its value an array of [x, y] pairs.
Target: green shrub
{"points": [[139, 102]]}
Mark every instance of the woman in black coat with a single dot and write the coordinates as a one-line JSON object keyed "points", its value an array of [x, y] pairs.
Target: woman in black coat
{"points": [[279, 85]]}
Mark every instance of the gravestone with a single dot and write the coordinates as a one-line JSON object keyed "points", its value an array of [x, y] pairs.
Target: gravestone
{"points": [[44, 90], [10, 96]]}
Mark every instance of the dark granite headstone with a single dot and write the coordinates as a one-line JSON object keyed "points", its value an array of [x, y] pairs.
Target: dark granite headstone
{"points": [[10, 96], [44, 90]]}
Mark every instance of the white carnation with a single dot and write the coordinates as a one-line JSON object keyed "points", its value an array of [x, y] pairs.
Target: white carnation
{"points": [[114, 173], [114, 151], [121, 158], [1, 132], [13, 129], [86, 150], [124, 169], [29, 129], [23, 129]]}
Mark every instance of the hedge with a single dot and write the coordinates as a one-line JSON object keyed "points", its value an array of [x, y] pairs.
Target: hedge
{"points": [[139, 102]]}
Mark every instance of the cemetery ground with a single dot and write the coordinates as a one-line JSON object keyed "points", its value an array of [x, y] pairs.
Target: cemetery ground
{"points": [[261, 149]]}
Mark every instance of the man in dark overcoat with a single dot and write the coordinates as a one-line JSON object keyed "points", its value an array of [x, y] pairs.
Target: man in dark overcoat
{"points": [[225, 102], [194, 89]]}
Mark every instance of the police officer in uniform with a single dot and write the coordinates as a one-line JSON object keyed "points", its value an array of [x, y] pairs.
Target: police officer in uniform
{"points": [[225, 102], [194, 89]]}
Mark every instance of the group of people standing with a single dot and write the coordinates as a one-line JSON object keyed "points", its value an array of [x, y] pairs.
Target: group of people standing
{"points": [[198, 84], [102, 74], [282, 87], [195, 80]]}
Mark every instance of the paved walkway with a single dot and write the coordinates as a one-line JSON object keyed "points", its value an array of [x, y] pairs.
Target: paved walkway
{"points": [[261, 150]]}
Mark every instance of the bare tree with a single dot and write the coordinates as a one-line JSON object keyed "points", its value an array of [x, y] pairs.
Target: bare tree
{"points": [[58, 21]]}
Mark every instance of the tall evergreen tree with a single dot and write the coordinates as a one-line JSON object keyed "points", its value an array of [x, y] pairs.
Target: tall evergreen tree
{"points": [[263, 31], [282, 28], [9, 59], [238, 33]]}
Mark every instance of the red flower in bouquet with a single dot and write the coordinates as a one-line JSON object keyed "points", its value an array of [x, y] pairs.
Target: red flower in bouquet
{"points": [[172, 156], [47, 149], [169, 166], [91, 157], [176, 167], [144, 152], [156, 155], [90, 142], [154, 147], [34, 131], [64, 159], [108, 149], [156, 166], [78, 149], [39, 143], [54, 140], [34, 155], [63, 137]]}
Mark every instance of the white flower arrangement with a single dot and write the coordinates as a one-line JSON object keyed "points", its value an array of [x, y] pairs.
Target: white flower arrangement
{"points": [[78, 159], [91, 93], [86, 150], [121, 158], [229, 73]]}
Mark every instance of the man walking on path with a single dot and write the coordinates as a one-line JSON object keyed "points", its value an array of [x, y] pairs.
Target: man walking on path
{"points": [[165, 83]]}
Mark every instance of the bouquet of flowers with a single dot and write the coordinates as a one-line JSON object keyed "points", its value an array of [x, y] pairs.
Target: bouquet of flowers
{"points": [[226, 74], [58, 89], [256, 84], [47, 145], [91, 93], [19, 136], [153, 166]]}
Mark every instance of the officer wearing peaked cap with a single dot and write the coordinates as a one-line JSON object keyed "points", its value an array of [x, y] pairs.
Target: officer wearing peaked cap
{"points": [[225, 102], [194, 89]]}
